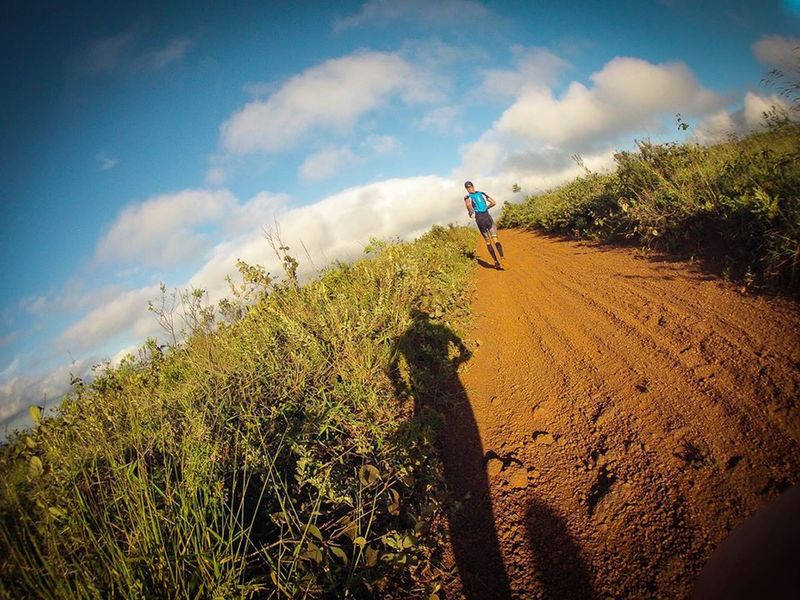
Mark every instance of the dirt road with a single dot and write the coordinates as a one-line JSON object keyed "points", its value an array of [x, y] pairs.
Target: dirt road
{"points": [[622, 415]]}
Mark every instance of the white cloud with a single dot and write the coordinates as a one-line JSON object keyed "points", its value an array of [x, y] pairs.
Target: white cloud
{"points": [[169, 229], [439, 119], [128, 51], [536, 68], [161, 230], [483, 156], [777, 51], [627, 94], [339, 226], [380, 144], [125, 313], [71, 297], [34, 304], [10, 370], [106, 162], [327, 162], [108, 54], [750, 117], [755, 105], [534, 167], [159, 58], [329, 97], [254, 214], [18, 391], [331, 160], [540, 170], [132, 350], [459, 13], [215, 176]]}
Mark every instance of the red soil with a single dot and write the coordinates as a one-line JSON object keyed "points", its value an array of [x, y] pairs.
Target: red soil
{"points": [[621, 415]]}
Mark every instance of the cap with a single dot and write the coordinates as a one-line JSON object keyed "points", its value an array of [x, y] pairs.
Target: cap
{"points": [[467, 184]]}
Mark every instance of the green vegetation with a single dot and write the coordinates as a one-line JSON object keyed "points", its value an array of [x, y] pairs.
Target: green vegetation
{"points": [[286, 450], [739, 199]]}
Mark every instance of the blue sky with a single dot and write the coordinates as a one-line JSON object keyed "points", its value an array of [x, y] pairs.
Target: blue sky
{"points": [[145, 144]]}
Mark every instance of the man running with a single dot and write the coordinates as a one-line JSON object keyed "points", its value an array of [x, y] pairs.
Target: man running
{"points": [[478, 204]]}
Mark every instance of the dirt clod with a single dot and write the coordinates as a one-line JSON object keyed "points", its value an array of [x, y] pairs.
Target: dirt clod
{"points": [[543, 437], [518, 477], [494, 466]]}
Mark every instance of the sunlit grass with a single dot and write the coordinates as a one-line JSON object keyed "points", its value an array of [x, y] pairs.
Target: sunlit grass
{"points": [[271, 454], [740, 199]]}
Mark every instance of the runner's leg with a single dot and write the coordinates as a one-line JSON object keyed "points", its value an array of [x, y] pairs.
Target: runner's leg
{"points": [[498, 245], [487, 228], [490, 248]]}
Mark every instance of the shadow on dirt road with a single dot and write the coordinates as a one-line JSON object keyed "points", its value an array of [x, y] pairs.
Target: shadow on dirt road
{"points": [[433, 353], [559, 568]]}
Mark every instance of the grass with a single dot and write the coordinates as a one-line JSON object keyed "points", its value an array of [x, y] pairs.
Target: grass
{"points": [[739, 199], [272, 454]]}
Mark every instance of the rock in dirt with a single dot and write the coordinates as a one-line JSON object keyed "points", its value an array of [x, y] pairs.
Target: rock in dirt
{"points": [[493, 467], [518, 477]]}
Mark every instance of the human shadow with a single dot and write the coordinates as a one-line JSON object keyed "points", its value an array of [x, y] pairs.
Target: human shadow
{"points": [[433, 353], [560, 570], [485, 265]]}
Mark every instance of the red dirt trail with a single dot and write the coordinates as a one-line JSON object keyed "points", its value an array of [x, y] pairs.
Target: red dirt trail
{"points": [[622, 415]]}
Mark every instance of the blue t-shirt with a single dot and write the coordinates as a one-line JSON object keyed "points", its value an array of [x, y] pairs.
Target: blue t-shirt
{"points": [[478, 200]]}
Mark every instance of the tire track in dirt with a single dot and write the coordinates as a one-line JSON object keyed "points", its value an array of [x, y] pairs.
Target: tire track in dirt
{"points": [[630, 411]]}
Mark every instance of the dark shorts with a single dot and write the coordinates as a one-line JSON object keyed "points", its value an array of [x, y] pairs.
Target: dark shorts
{"points": [[485, 224]]}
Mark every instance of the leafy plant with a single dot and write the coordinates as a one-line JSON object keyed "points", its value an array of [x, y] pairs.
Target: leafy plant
{"points": [[741, 195], [267, 453]]}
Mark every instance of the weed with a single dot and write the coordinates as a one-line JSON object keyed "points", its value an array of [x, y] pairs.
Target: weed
{"points": [[739, 197], [268, 454]]}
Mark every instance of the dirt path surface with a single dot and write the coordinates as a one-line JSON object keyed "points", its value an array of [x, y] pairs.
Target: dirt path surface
{"points": [[623, 415]]}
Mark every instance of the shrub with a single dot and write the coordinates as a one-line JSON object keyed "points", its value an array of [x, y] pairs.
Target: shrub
{"points": [[271, 455], [742, 196]]}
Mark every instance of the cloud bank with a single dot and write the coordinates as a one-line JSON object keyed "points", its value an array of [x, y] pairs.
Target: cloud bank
{"points": [[329, 97], [160, 231], [19, 391], [536, 68], [778, 51], [129, 51], [339, 226], [173, 228], [627, 94], [750, 117]]}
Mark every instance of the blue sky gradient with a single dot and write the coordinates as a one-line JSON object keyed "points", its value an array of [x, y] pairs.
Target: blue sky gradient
{"points": [[145, 144]]}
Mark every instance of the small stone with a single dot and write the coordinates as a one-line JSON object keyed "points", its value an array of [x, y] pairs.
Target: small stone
{"points": [[705, 371], [493, 467], [518, 478], [543, 437]]}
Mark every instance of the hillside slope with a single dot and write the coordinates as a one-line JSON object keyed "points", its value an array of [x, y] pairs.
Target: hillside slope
{"points": [[618, 417]]}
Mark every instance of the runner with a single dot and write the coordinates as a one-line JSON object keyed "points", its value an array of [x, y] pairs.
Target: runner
{"points": [[478, 204]]}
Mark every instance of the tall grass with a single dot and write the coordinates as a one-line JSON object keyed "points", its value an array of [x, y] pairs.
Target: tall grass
{"points": [[740, 199], [269, 455]]}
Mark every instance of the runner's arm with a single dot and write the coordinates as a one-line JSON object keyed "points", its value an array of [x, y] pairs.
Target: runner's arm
{"points": [[490, 200], [468, 205]]}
